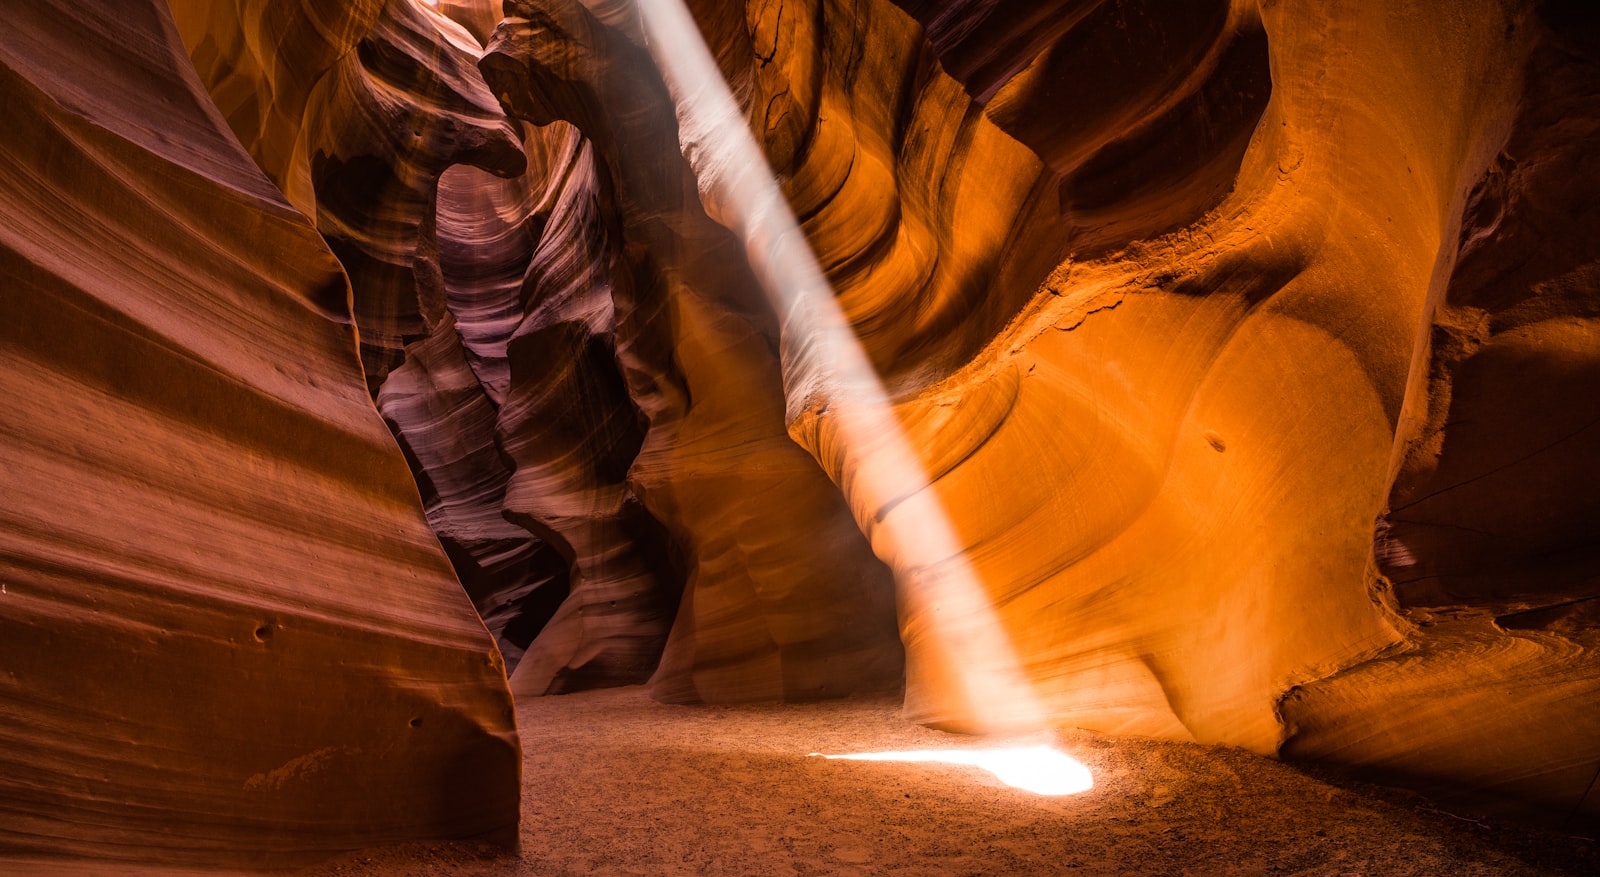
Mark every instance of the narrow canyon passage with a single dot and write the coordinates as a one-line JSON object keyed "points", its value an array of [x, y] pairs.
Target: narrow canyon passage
{"points": [[617, 784], [434, 424]]}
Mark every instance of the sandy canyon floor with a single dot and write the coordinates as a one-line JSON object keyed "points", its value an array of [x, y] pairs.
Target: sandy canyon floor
{"points": [[617, 784]]}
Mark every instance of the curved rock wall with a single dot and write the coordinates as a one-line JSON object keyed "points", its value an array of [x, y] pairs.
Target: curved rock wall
{"points": [[496, 337], [1213, 419], [781, 596], [229, 638], [1164, 333], [1488, 538], [932, 224], [572, 431], [364, 109], [1143, 110]]}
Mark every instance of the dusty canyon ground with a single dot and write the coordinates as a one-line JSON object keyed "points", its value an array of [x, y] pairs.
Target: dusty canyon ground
{"points": [[617, 784]]}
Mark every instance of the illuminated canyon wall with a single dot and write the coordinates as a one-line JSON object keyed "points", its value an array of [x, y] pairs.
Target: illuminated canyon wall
{"points": [[1252, 349]]}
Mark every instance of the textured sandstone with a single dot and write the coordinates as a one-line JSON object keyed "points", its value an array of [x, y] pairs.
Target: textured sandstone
{"points": [[782, 598], [1488, 538], [526, 457], [357, 117], [1142, 110], [572, 432], [1213, 419], [229, 636], [1079, 235]]}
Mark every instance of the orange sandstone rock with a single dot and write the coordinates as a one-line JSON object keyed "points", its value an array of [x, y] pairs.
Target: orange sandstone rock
{"points": [[1167, 467], [229, 638]]}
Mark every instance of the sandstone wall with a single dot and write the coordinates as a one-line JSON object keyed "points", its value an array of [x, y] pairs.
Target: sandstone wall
{"points": [[227, 635]]}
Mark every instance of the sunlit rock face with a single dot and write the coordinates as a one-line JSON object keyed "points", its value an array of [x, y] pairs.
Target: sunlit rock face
{"points": [[1296, 427], [1488, 534], [227, 635]]}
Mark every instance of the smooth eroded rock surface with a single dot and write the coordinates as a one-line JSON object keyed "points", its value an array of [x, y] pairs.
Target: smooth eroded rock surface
{"points": [[1201, 469], [229, 637]]}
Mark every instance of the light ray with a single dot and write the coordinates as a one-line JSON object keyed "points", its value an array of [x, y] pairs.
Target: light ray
{"points": [[967, 663]]}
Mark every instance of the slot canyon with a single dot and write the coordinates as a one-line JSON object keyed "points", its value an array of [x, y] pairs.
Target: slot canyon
{"points": [[523, 437]]}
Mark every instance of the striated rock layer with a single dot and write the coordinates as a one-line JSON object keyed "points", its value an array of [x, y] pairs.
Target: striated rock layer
{"points": [[1170, 335], [1143, 110], [782, 597], [1167, 464], [357, 113], [229, 637], [580, 478]]}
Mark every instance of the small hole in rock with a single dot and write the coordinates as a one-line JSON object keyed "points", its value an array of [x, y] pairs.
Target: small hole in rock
{"points": [[416, 722], [263, 633]]}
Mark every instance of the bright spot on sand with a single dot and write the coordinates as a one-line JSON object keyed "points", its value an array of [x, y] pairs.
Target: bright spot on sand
{"points": [[1037, 769]]}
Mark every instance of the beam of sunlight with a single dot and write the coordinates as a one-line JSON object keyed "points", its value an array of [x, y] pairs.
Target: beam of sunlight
{"points": [[966, 669], [1037, 769]]}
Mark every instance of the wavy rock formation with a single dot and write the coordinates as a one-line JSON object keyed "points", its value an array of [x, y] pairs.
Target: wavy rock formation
{"points": [[357, 113], [446, 424], [1495, 502], [1101, 575], [572, 460], [491, 323], [781, 595], [1212, 419], [1140, 456], [229, 637], [931, 223], [1488, 538], [1142, 109], [1252, 350]]}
